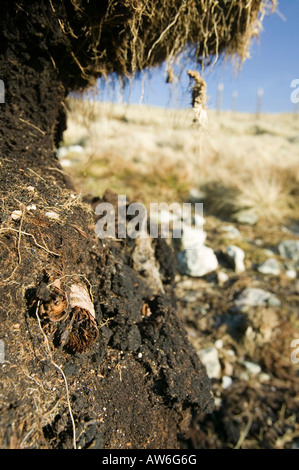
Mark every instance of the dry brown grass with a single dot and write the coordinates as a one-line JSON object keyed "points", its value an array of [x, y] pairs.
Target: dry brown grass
{"points": [[130, 35], [243, 165]]}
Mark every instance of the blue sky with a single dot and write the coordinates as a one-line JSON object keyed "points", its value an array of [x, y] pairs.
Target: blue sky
{"points": [[274, 63]]}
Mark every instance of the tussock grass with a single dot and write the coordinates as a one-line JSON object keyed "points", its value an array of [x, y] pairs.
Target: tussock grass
{"points": [[265, 194]]}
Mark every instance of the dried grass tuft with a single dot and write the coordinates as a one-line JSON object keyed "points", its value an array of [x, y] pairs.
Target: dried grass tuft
{"points": [[127, 36]]}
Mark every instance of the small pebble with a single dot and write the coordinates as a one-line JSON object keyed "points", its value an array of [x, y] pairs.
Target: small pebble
{"points": [[219, 344], [218, 402], [270, 266], [226, 382], [52, 215], [31, 207], [264, 377], [235, 256], [228, 369], [291, 274], [222, 277], [209, 357], [16, 215], [244, 376], [252, 367]]}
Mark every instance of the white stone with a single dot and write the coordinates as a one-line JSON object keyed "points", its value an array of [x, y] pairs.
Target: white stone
{"points": [[230, 352], [264, 377], [195, 195], [247, 218], [291, 274], [75, 148], [219, 343], [226, 382], [244, 376], [209, 357], [236, 256], [218, 402], [65, 163], [197, 262], [192, 237], [52, 215], [231, 231], [270, 266], [31, 207], [15, 215], [222, 277], [198, 220], [289, 249], [61, 152], [253, 297], [252, 368]]}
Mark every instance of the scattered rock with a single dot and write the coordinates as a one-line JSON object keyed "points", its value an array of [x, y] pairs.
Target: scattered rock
{"points": [[264, 377], [246, 218], [226, 382], [209, 357], [291, 273], [219, 343], [76, 148], [192, 296], [52, 215], [274, 301], [270, 266], [65, 163], [195, 195], [254, 297], [289, 249], [31, 207], [16, 215], [231, 231], [244, 376], [235, 257], [222, 277], [192, 237], [198, 220], [252, 368], [64, 151], [228, 369], [197, 262]]}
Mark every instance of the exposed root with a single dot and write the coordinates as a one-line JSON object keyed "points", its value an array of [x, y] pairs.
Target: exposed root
{"points": [[32, 236], [62, 373]]}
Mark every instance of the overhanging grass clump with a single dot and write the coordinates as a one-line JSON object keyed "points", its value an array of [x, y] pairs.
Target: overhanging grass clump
{"points": [[126, 36]]}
